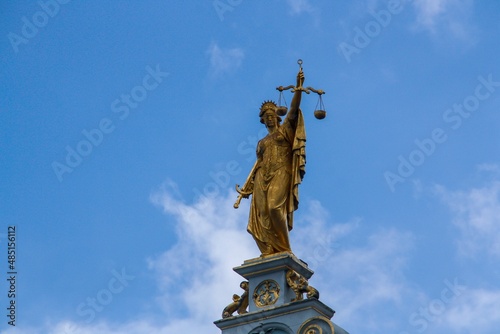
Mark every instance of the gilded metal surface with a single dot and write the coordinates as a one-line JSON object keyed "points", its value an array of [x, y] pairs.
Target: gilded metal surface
{"points": [[314, 329], [317, 325], [300, 285], [246, 190], [266, 293], [279, 169], [240, 303]]}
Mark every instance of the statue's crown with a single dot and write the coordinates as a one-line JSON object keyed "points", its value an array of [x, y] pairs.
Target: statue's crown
{"points": [[268, 104]]}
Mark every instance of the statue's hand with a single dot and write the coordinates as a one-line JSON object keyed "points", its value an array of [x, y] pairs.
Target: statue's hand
{"points": [[300, 78], [248, 191], [247, 195]]}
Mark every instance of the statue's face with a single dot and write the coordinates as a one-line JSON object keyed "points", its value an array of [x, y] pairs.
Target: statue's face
{"points": [[270, 118]]}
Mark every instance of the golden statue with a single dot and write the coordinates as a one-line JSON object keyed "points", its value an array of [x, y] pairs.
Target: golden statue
{"points": [[300, 285], [277, 173], [240, 303]]}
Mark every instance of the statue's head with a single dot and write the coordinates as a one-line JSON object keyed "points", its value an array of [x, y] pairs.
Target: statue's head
{"points": [[268, 109]]}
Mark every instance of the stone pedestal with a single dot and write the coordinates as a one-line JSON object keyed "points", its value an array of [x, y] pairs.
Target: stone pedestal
{"points": [[277, 305]]}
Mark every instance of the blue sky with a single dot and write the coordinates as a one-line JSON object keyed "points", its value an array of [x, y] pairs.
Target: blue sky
{"points": [[125, 125]]}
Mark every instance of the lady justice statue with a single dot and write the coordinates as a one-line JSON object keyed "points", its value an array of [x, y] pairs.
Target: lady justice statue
{"points": [[278, 171]]}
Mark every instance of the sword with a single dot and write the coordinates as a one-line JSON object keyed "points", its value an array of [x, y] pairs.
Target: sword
{"points": [[244, 192]]}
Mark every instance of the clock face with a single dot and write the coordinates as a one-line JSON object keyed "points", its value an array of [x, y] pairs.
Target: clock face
{"points": [[314, 329], [316, 325], [266, 293]]}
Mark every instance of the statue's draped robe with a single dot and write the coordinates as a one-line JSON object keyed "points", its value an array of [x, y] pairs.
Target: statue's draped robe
{"points": [[280, 168]]}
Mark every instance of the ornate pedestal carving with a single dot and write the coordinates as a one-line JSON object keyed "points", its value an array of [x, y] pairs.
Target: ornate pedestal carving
{"points": [[280, 300]]}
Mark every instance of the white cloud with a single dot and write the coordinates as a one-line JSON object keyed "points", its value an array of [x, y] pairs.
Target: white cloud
{"points": [[352, 278], [476, 311], [196, 281], [477, 216], [300, 6], [212, 239], [447, 17], [489, 167], [224, 60], [369, 277], [429, 11]]}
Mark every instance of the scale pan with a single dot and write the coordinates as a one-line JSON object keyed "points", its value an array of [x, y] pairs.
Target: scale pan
{"points": [[281, 111], [319, 114]]}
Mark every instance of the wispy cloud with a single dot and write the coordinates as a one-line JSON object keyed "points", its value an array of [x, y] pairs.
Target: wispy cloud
{"points": [[489, 167], [477, 215], [368, 277], [224, 60], [429, 11], [300, 6], [477, 311], [445, 17], [212, 239]]}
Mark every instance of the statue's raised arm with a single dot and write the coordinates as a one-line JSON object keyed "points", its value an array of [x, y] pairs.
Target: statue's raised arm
{"points": [[297, 96]]}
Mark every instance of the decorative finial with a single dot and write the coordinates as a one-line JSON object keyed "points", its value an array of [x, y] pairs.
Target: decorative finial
{"points": [[300, 63]]}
